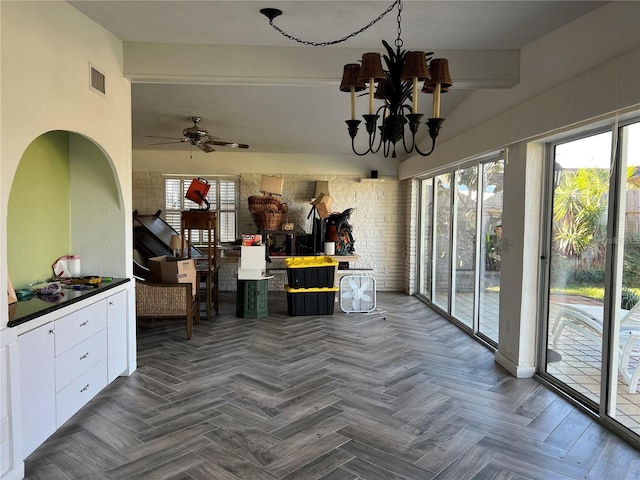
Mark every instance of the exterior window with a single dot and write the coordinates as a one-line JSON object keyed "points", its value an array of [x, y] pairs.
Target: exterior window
{"points": [[223, 197], [459, 245]]}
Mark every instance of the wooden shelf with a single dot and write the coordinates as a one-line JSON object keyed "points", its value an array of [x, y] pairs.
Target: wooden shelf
{"points": [[372, 180], [208, 270]]}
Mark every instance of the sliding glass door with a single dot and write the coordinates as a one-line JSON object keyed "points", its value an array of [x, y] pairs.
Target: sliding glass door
{"points": [[460, 244], [579, 212], [490, 245], [624, 405], [442, 244], [593, 295], [464, 243]]}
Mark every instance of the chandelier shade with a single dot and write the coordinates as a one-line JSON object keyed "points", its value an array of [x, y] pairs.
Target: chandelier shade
{"points": [[371, 68], [415, 66], [439, 68], [380, 91], [350, 75], [429, 87]]}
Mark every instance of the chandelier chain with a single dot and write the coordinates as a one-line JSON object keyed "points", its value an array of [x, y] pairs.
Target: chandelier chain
{"points": [[346, 37], [399, 39]]}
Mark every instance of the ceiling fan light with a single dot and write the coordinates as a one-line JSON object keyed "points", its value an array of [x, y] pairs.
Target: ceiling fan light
{"points": [[195, 132]]}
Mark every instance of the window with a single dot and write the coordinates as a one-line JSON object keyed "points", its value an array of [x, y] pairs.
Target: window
{"points": [[459, 244], [223, 197], [592, 281]]}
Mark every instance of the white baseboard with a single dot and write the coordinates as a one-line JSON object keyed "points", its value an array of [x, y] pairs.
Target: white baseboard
{"points": [[518, 371]]}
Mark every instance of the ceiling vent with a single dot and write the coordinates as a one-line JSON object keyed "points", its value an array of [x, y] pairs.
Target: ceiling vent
{"points": [[98, 80]]}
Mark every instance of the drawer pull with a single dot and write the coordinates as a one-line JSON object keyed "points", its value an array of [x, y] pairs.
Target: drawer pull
{"points": [[84, 356], [86, 322], [86, 387]]}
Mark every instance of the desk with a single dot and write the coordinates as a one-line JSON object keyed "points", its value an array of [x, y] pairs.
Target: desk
{"points": [[277, 261]]}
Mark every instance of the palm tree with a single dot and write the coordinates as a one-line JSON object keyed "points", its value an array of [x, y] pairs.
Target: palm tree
{"points": [[580, 213]]}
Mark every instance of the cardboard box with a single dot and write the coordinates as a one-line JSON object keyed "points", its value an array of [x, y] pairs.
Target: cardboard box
{"points": [[253, 263], [251, 239], [174, 270], [272, 185], [323, 205]]}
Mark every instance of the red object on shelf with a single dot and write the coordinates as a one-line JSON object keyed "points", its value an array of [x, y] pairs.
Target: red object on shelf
{"points": [[197, 191]]}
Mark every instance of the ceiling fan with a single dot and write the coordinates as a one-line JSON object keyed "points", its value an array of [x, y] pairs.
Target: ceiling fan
{"points": [[200, 138]]}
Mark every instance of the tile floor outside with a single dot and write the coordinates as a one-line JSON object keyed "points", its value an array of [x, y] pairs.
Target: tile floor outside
{"points": [[579, 365], [580, 369]]}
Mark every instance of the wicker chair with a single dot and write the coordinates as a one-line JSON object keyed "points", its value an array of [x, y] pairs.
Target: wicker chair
{"points": [[167, 300]]}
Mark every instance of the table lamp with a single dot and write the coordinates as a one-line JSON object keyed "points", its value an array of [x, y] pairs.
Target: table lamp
{"points": [[175, 243]]}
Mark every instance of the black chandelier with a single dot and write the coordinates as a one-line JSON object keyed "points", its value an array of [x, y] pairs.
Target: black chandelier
{"points": [[397, 86]]}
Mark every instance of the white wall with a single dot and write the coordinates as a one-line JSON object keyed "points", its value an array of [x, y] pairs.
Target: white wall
{"points": [[46, 49]]}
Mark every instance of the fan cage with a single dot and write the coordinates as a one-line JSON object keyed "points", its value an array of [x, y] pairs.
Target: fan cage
{"points": [[358, 293]]}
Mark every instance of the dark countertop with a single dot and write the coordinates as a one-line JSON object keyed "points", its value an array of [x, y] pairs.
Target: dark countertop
{"points": [[38, 306]]}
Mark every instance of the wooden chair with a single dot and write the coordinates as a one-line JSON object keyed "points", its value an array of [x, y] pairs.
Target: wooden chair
{"points": [[167, 300]]}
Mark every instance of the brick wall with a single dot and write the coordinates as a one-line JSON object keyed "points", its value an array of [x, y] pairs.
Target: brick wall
{"points": [[147, 192], [379, 221]]}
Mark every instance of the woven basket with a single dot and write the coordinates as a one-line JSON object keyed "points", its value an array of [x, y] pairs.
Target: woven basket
{"points": [[263, 203], [267, 220]]}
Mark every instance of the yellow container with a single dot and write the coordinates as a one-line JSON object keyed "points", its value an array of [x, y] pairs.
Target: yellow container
{"points": [[306, 262]]}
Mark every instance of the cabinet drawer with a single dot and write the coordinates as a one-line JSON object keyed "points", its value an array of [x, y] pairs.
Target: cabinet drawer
{"points": [[77, 360], [75, 395], [80, 325]]}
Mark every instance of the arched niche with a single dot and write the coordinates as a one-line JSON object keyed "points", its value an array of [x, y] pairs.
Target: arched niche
{"points": [[65, 199]]}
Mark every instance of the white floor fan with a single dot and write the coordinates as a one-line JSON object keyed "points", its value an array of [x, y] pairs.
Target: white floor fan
{"points": [[357, 293]]}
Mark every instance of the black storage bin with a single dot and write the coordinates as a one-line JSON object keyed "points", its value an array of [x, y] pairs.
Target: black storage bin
{"points": [[311, 272], [311, 301]]}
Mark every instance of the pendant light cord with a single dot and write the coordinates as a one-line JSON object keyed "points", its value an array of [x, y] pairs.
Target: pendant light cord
{"points": [[346, 37]]}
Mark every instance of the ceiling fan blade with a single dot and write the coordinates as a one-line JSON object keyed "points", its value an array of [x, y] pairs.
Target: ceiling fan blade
{"points": [[206, 148], [182, 139], [166, 143], [227, 144]]}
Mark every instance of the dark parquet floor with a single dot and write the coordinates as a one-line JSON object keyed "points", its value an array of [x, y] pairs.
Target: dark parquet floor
{"points": [[397, 394]]}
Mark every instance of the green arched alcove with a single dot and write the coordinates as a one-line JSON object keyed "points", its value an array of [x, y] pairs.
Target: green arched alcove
{"points": [[64, 200]]}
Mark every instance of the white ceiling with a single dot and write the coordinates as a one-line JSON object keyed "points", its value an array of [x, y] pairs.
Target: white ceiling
{"points": [[280, 96]]}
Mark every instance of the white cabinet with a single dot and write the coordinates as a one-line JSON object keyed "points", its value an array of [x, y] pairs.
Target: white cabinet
{"points": [[37, 386], [80, 358], [80, 325], [117, 331], [66, 362], [82, 389]]}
